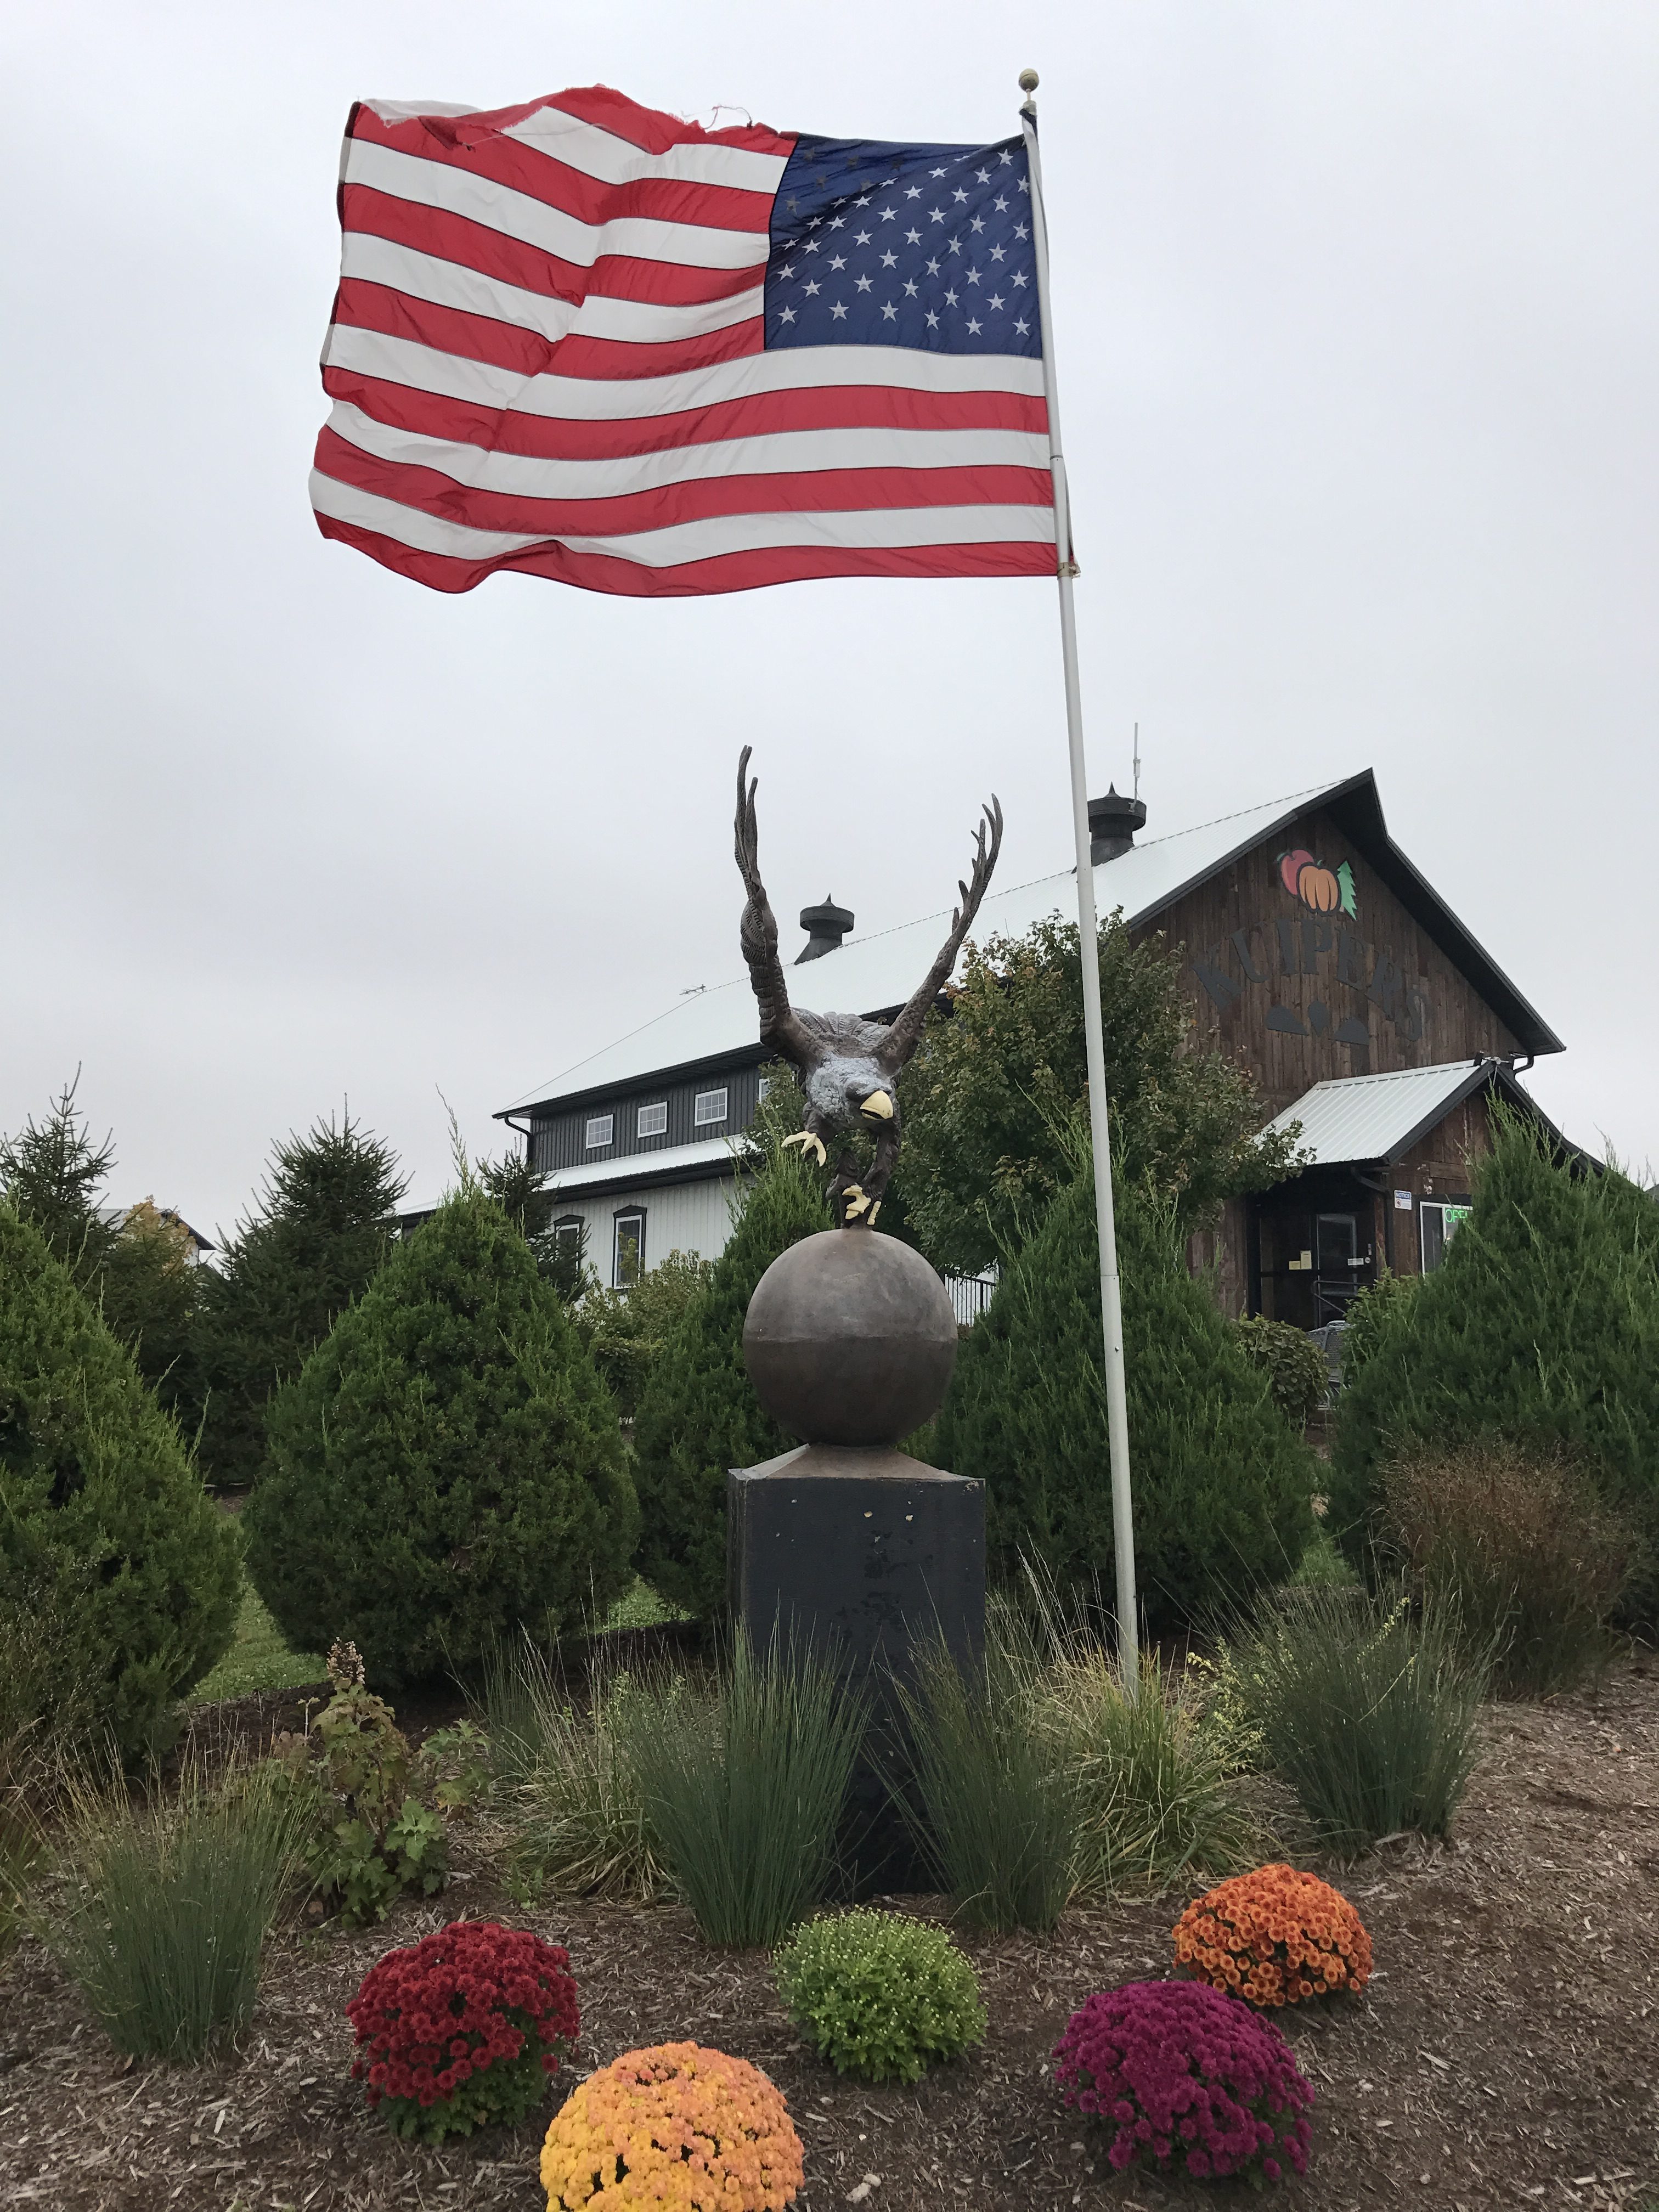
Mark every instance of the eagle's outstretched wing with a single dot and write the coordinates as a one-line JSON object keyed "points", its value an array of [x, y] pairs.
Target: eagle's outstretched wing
{"points": [[779, 1029], [904, 1032]]}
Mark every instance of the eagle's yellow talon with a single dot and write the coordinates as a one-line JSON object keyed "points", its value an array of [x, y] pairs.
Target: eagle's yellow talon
{"points": [[874, 1211], [857, 1203], [804, 1138]]}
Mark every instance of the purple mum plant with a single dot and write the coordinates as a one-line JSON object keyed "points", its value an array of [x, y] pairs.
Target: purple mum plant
{"points": [[1188, 2074]]}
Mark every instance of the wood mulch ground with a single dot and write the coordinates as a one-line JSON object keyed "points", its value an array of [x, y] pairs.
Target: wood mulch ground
{"points": [[1506, 2051]]}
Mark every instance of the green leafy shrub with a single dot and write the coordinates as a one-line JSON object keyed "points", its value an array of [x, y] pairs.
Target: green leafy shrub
{"points": [[744, 1783], [166, 1905], [880, 1995], [698, 1414], [368, 1834], [1222, 1484], [1542, 1324], [1520, 1546], [1367, 1711], [995, 1799], [1384, 1302], [447, 1465], [99, 1505], [1293, 1364], [628, 1331]]}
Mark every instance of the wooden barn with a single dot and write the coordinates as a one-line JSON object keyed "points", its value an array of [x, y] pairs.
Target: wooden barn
{"points": [[1315, 955]]}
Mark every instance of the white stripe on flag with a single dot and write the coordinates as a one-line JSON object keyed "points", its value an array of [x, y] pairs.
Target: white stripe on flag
{"points": [[598, 153], [696, 541], [516, 215], [596, 399], [374, 260], [781, 452]]}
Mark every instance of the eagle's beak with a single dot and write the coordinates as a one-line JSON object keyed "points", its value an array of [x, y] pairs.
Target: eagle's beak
{"points": [[879, 1106]]}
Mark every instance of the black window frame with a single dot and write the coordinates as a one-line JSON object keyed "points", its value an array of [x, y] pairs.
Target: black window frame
{"points": [[625, 1213]]}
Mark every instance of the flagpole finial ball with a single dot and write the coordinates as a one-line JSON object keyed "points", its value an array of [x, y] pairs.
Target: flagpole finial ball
{"points": [[1028, 80]]}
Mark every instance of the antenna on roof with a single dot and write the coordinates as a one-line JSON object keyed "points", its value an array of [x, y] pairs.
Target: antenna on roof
{"points": [[1137, 788]]}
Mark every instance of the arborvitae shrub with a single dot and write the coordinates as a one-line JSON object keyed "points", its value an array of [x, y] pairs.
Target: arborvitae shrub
{"points": [[447, 1463], [1293, 1364], [1542, 1324], [99, 1502], [1222, 1485], [699, 1414]]}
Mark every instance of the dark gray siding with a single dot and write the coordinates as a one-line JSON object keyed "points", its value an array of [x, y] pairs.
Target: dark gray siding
{"points": [[559, 1139]]}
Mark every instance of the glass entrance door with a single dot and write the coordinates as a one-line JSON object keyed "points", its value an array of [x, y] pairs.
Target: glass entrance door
{"points": [[1344, 1267]]}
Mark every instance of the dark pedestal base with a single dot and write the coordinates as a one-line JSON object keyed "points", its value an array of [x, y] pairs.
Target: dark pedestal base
{"points": [[860, 1554]]}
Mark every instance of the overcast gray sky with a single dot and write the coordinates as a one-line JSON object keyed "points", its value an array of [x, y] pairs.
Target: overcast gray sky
{"points": [[1359, 350]]}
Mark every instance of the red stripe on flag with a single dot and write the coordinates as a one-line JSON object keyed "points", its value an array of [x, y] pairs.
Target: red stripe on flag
{"points": [[493, 160], [724, 572], [527, 353], [511, 261], [655, 132], [664, 506], [555, 438]]}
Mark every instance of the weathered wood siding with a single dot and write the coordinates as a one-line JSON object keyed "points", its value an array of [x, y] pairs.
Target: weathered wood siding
{"points": [[1286, 992]]}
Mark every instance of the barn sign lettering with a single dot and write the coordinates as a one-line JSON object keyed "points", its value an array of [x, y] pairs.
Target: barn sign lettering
{"points": [[1319, 943]]}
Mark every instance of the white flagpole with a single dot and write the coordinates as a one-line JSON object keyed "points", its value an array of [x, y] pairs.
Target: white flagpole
{"points": [[1111, 1306]]}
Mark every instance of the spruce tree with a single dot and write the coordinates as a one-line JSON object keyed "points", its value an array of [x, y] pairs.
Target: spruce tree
{"points": [[54, 1176], [315, 1241], [102, 1517], [699, 1415], [1222, 1484], [447, 1463], [1542, 1324]]}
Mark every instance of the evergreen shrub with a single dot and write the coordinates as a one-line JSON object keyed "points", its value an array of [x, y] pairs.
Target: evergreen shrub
{"points": [[698, 1414], [102, 1511], [880, 1995], [1222, 1484], [1542, 1324], [447, 1464]]}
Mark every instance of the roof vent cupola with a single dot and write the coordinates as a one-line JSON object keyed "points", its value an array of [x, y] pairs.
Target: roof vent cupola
{"points": [[1113, 822], [825, 927]]}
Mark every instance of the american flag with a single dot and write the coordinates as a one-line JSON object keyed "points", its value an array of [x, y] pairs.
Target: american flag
{"points": [[587, 341]]}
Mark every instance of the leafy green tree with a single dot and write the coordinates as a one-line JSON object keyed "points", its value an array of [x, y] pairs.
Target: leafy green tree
{"points": [[990, 1096], [1222, 1484], [627, 1330], [98, 1501], [447, 1463], [698, 1414], [149, 1283], [316, 1239], [1541, 1325], [54, 1176]]}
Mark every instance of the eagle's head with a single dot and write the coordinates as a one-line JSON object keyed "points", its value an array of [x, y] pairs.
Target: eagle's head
{"points": [[853, 1091]]}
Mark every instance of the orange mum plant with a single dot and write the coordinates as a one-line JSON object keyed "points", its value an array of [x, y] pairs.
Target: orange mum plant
{"points": [[674, 2128], [1274, 1937]]}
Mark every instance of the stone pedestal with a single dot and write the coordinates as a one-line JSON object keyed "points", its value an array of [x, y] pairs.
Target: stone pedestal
{"points": [[846, 1546]]}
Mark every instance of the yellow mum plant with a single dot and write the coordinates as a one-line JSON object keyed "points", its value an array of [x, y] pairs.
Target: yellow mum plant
{"points": [[673, 2129]]}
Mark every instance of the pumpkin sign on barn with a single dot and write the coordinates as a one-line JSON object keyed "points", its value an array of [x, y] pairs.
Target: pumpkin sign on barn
{"points": [[1321, 889]]}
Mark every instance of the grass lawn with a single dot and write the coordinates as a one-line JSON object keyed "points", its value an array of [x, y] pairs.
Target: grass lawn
{"points": [[259, 1659]]}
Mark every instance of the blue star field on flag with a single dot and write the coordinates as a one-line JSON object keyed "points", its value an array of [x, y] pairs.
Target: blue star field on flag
{"points": [[929, 246]]}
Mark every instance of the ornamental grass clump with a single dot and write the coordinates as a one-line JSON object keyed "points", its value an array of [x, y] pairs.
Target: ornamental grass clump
{"points": [[1367, 1710], [673, 2129], [1274, 1937], [881, 1995], [167, 1904], [463, 2029], [743, 1786], [1192, 2082]]}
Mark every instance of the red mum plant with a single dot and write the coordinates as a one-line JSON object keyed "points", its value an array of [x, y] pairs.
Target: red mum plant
{"points": [[1192, 2079], [463, 2028], [1274, 1937]]}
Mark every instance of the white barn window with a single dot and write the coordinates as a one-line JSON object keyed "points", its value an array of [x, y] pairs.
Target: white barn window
{"points": [[651, 1121], [710, 1108], [599, 1128], [627, 1247]]}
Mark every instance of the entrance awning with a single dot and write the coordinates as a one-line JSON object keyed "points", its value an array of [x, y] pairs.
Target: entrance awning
{"points": [[1355, 1120]]}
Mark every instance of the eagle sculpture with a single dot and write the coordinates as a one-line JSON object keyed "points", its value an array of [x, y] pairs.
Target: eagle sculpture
{"points": [[848, 1067]]}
